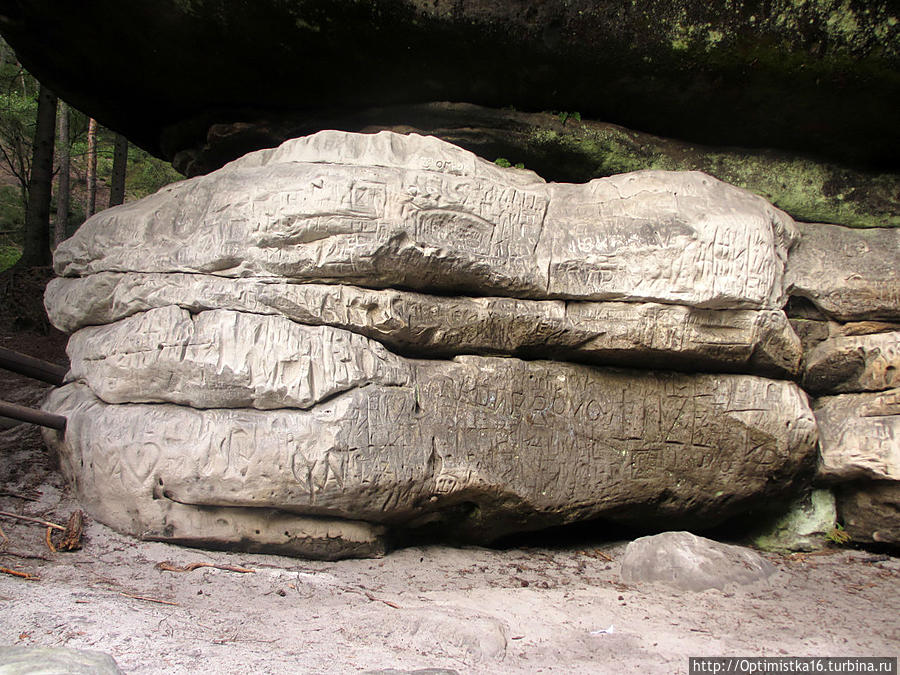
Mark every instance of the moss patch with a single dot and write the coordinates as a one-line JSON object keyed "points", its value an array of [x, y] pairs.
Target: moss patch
{"points": [[9, 255], [808, 190]]}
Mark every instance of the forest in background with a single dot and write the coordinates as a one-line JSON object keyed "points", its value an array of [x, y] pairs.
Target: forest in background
{"points": [[19, 102]]}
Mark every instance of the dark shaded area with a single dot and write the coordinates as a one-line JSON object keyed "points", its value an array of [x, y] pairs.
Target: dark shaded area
{"points": [[759, 73]]}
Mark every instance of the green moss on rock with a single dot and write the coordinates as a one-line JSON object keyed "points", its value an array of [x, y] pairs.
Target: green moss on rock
{"points": [[808, 190], [804, 527]]}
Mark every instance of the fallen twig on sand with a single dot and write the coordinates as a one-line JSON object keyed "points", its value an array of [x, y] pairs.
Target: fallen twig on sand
{"points": [[167, 566], [21, 575], [39, 521], [3, 534], [7, 493], [28, 556], [71, 539], [387, 602], [235, 638], [146, 599], [801, 556]]}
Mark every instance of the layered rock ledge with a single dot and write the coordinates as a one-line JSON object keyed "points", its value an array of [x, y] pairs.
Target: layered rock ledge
{"points": [[353, 338]]}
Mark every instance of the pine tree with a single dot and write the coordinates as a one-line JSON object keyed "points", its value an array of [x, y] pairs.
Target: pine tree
{"points": [[120, 161], [36, 249], [91, 201], [60, 229]]}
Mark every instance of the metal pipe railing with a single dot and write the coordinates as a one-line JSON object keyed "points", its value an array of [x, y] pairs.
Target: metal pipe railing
{"points": [[38, 370], [32, 367], [32, 415]]}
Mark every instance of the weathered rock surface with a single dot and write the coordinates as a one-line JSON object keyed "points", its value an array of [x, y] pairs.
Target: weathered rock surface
{"points": [[387, 210], [497, 445], [55, 661], [224, 359], [848, 274], [859, 436], [608, 333], [687, 562], [854, 364], [871, 511], [815, 77], [470, 637], [813, 330]]}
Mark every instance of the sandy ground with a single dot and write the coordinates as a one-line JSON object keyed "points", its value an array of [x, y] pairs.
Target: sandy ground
{"points": [[469, 610]]}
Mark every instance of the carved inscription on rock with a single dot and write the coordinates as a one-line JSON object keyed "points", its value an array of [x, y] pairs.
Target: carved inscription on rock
{"points": [[616, 333], [555, 439], [449, 225], [226, 359], [860, 436]]}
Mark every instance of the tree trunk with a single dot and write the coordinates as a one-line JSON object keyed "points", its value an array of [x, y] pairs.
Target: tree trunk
{"points": [[91, 205], [36, 251], [60, 229], [120, 160]]}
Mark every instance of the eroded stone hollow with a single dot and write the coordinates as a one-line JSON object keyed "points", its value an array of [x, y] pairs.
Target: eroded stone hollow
{"points": [[350, 336]]}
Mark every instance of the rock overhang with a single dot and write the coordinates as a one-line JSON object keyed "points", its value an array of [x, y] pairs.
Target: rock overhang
{"points": [[830, 69]]}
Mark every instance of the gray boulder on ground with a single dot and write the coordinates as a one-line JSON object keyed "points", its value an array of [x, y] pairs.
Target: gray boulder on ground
{"points": [[686, 562], [55, 661]]}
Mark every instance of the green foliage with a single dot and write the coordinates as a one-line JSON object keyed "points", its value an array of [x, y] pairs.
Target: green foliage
{"points": [[564, 116], [12, 211], [146, 174], [838, 536], [18, 112], [506, 164], [9, 255]]}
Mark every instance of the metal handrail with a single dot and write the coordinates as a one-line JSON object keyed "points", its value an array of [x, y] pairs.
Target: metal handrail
{"points": [[32, 415], [32, 367], [39, 370]]}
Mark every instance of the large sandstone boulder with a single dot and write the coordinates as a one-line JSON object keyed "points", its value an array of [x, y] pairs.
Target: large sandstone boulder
{"points": [[481, 446], [871, 512], [247, 364], [860, 459], [568, 147], [845, 303], [854, 364]]}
